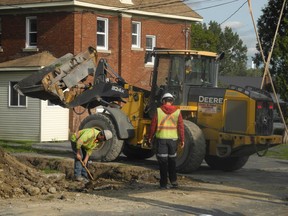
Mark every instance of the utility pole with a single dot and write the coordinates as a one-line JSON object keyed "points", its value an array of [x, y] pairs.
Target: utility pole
{"points": [[187, 33]]}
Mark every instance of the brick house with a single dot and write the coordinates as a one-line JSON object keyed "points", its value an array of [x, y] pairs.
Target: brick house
{"points": [[121, 30]]}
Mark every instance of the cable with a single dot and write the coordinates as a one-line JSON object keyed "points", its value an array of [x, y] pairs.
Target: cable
{"points": [[213, 6], [202, 1], [186, 11], [234, 12], [155, 4]]}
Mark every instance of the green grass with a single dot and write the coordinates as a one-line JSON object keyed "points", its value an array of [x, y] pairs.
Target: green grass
{"points": [[279, 152], [25, 147], [16, 147], [50, 171]]}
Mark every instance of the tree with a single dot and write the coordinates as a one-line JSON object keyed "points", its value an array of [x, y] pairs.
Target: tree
{"points": [[213, 39], [267, 24], [203, 38], [254, 72]]}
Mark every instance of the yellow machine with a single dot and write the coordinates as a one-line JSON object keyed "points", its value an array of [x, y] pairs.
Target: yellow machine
{"points": [[223, 126]]}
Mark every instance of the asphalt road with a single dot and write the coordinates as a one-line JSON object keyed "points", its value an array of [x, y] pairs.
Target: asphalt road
{"points": [[259, 188], [259, 173]]}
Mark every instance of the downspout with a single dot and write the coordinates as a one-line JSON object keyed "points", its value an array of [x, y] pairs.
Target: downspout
{"points": [[187, 36], [119, 43]]}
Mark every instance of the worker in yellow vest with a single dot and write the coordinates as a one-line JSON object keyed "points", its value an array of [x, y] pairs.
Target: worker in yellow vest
{"points": [[167, 129], [83, 142]]}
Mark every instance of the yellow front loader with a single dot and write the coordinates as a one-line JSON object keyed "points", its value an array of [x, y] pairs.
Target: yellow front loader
{"points": [[223, 126]]}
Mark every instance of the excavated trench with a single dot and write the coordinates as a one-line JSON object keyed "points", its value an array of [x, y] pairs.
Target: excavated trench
{"points": [[27, 175]]}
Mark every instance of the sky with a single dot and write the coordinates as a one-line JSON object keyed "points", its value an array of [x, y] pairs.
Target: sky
{"points": [[240, 22]]}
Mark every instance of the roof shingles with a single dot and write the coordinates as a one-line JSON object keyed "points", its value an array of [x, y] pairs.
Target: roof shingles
{"points": [[170, 7], [37, 60]]}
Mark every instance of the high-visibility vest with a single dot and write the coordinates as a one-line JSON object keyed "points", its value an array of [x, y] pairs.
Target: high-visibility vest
{"points": [[167, 125], [86, 138]]}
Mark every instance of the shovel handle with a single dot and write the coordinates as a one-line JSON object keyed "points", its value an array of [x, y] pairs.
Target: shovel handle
{"points": [[86, 170]]}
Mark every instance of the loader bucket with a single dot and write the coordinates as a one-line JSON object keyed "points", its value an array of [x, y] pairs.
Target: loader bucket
{"points": [[74, 80], [32, 85]]}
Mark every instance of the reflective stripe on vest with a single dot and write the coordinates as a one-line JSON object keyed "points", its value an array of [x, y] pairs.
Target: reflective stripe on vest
{"points": [[167, 125]]}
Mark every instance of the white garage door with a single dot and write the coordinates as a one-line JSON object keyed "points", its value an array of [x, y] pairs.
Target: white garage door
{"points": [[54, 122]]}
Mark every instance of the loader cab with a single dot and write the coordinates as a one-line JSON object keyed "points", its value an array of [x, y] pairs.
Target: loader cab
{"points": [[175, 71]]}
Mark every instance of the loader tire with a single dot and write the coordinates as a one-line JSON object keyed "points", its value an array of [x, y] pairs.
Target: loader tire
{"points": [[191, 156], [110, 149], [226, 164], [136, 153]]}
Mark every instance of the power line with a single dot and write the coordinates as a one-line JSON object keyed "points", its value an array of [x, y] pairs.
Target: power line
{"points": [[234, 12], [168, 4], [218, 5], [156, 4]]}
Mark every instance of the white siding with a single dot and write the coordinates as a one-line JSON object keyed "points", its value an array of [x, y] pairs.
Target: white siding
{"points": [[54, 122], [18, 123]]}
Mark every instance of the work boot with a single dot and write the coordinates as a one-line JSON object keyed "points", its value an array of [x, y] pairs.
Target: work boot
{"points": [[175, 184], [163, 187], [81, 179]]}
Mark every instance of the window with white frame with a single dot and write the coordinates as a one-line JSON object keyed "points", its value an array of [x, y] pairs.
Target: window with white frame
{"points": [[15, 99], [102, 33], [150, 44], [136, 34], [31, 32]]}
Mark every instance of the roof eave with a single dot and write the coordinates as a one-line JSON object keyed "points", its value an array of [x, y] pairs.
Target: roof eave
{"points": [[102, 7]]}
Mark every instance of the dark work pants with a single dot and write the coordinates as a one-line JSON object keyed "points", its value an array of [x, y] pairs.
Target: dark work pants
{"points": [[79, 170], [166, 152]]}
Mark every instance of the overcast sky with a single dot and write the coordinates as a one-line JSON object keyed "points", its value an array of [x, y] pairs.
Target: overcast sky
{"points": [[240, 22]]}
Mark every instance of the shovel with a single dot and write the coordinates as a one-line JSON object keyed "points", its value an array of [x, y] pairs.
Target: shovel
{"points": [[87, 170]]}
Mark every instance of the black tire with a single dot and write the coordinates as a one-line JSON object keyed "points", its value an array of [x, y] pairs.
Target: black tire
{"points": [[190, 158], [109, 150], [226, 164], [137, 153]]}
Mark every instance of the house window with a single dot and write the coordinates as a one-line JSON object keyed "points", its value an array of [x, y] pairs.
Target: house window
{"points": [[15, 99], [102, 33], [31, 32], [150, 44], [136, 34]]}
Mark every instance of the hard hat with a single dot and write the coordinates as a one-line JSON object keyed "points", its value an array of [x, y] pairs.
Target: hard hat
{"points": [[167, 95], [108, 134]]}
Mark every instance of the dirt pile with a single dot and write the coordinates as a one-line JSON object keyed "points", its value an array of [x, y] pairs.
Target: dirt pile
{"points": [[18, 179], [23, 176]]}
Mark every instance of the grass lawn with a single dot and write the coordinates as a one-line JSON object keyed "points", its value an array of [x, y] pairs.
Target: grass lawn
{"points": [[16, 147], [279, 152], [25, 147]]}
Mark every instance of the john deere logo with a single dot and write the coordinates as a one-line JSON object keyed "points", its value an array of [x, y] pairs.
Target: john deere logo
{"points": [[211, 100]]}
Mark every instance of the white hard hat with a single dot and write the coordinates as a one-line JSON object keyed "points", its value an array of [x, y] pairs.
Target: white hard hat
{"points": [[108, 134], [167, 95]]}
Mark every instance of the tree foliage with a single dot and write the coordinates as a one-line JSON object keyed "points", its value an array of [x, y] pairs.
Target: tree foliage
{"points": [[267, 24], [213, 38]]}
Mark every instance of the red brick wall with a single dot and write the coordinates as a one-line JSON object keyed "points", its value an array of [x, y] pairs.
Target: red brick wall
{"points": [[13, 36], [168, 35], [55, 34], [63, 32], [84, 31]]}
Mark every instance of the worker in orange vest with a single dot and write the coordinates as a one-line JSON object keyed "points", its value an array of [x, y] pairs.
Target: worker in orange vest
{"points": [[168, 129]]}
